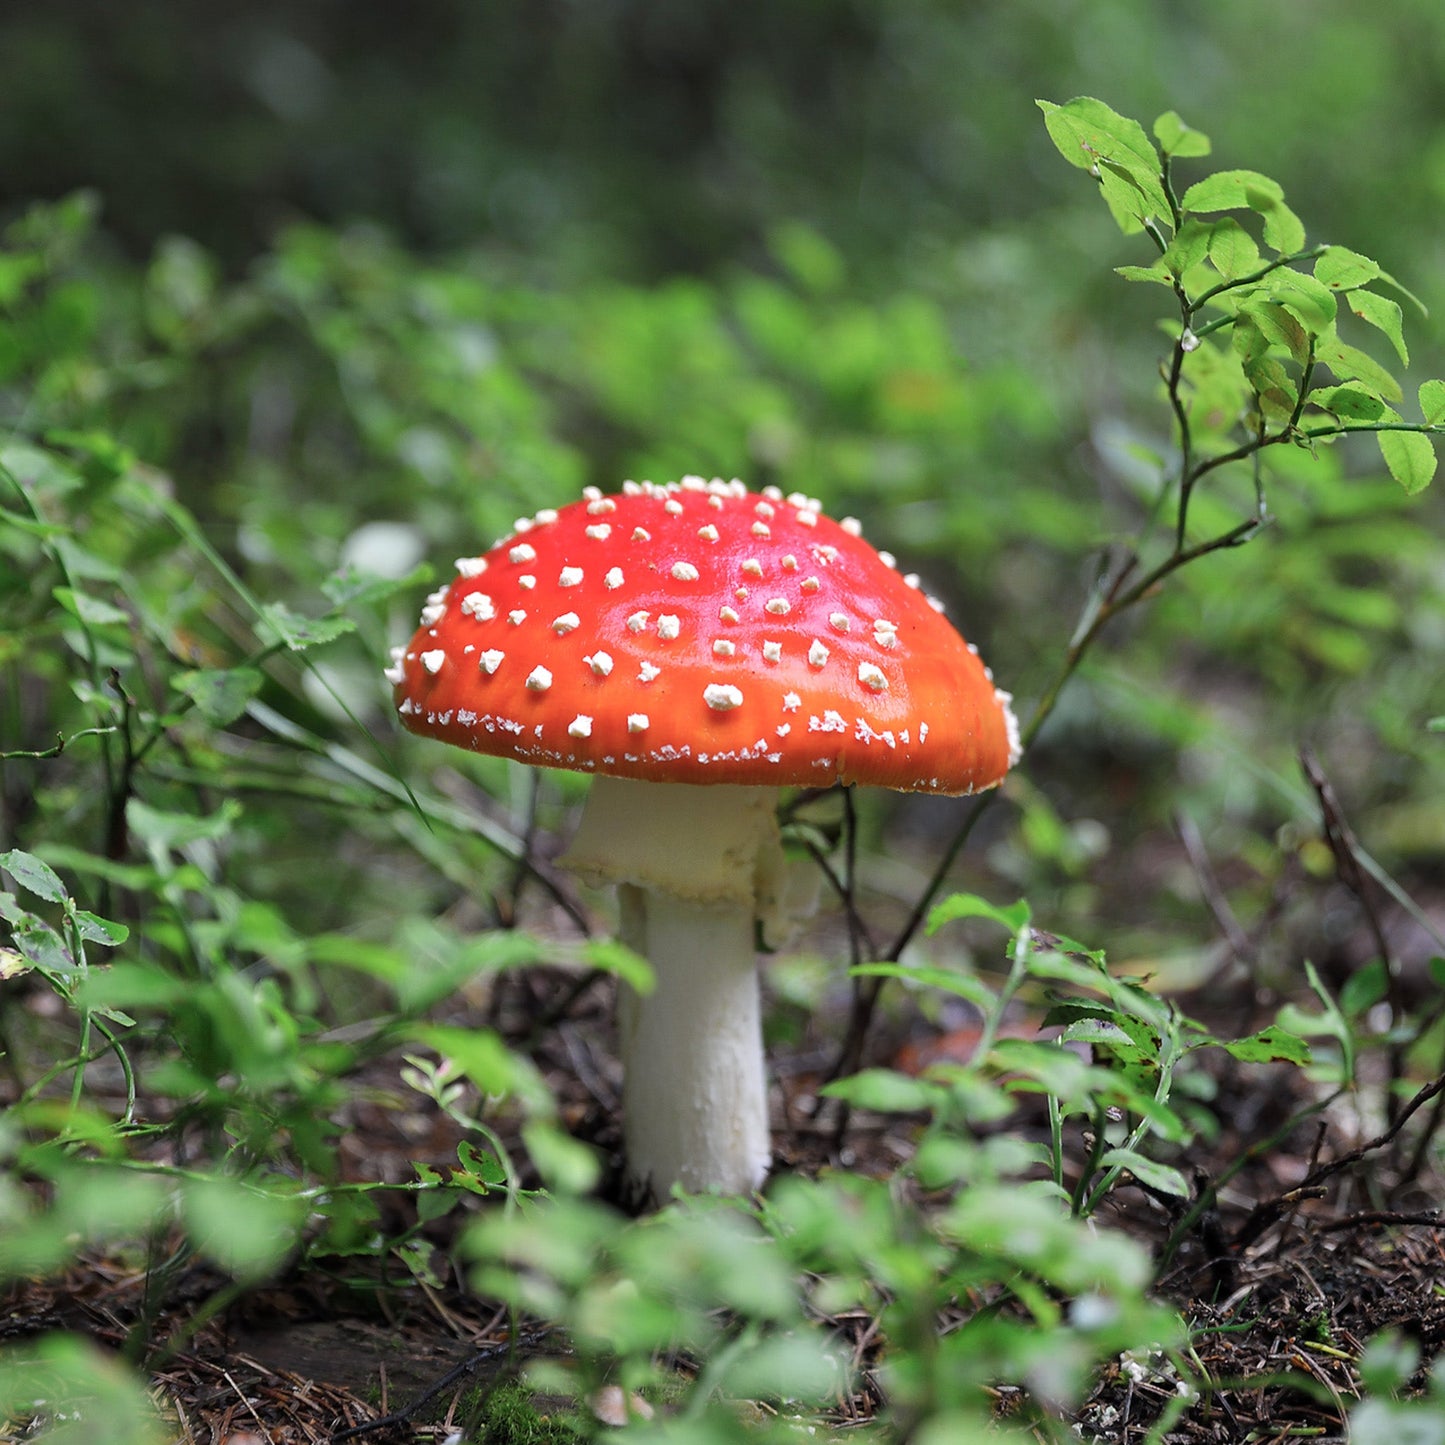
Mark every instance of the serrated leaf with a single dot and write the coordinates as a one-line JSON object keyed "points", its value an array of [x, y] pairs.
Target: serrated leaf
{"points": [[1096, 138], [1410, 458], [1343, 270], [1232, 191], [353, 586], [1280, 326], [1177, 139], [95, 929], [1432, 401], [1232, 250], [296, 632], [1385, 315], [34, 875], [220, 695], [1188, 247], [1351, 402], [1314, 304], [1349, 363], [1283, 230], [1271, 1045]]}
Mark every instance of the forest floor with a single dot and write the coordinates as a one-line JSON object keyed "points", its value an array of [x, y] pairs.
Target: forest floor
{"points": [[1282, 1283]]}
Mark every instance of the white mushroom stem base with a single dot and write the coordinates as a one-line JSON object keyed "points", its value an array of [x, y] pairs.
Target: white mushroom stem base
{"points": [[696, 868], [695, 1105]]}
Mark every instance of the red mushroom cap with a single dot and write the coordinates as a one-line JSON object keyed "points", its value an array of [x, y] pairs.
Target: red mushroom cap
{"points": [[702, 633]]}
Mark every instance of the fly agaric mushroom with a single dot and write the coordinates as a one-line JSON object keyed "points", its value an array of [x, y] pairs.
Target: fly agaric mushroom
{"points": [[698, 646]]}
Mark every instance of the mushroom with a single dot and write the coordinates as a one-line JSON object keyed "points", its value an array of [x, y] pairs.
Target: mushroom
{"points": [[698, 646]]}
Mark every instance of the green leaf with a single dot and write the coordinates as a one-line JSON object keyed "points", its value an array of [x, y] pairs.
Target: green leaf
{"points": [[970, 905], [1114, 148], [34, 874], [884, 1091], [1351, 402], [1349, 363], [962, 985], [1232, 250], [1384, 314], [1157, 272], [281, 624], [1314, 304], [1177, 139], [220, 696], [1282, 228], [1188, 248], [1232, 191], [1271, 1045], [1147, 1171], [1432, 401], [1343, 270], [94, 929], [1410, 458], [90, 610]]}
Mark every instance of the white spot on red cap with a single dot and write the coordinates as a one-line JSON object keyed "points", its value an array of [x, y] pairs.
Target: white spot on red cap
{"points": [[772, 651], [838, 621], [637, 622], [817, 654], [567, 622], [517, 616], [810, 584], [752, 568], [527, 582], [600, 663], [668, 626], [599, 531], [791, 702], [539, 679], [641, 534], [723, 648], [491, 660], [761, 529], [600, 506], [722, 696], [778, 606], [523, 552], [433, 660], [471, 566], [672, 506], [570, 577], [727, 614], [852, 526], [806, 518], [638, 722], [647, 672], [708, 533], [580, 726], [479, 605], [684, 572], [872, 677]]}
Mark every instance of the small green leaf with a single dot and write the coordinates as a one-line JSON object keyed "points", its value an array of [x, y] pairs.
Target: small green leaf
{"points": [[34, 874], [94, 929], [1352, 402], [1188, 248], [1271, 1045], [962, 985], [90, 610], [1383, 313], [1410, 458], [1157, 272], [1177, 139], [1432, 401], [281, 624], [1232, 191], [1114, 148], [1147, 1171], [970, 905], [1232, 250], [1343, 270], [884, 1092], [1282, 228], [220, 696], [1349, 363]]}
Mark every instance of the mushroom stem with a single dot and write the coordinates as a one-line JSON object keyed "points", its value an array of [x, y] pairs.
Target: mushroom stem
{"points": [[694, 1095], [696, 867]]}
